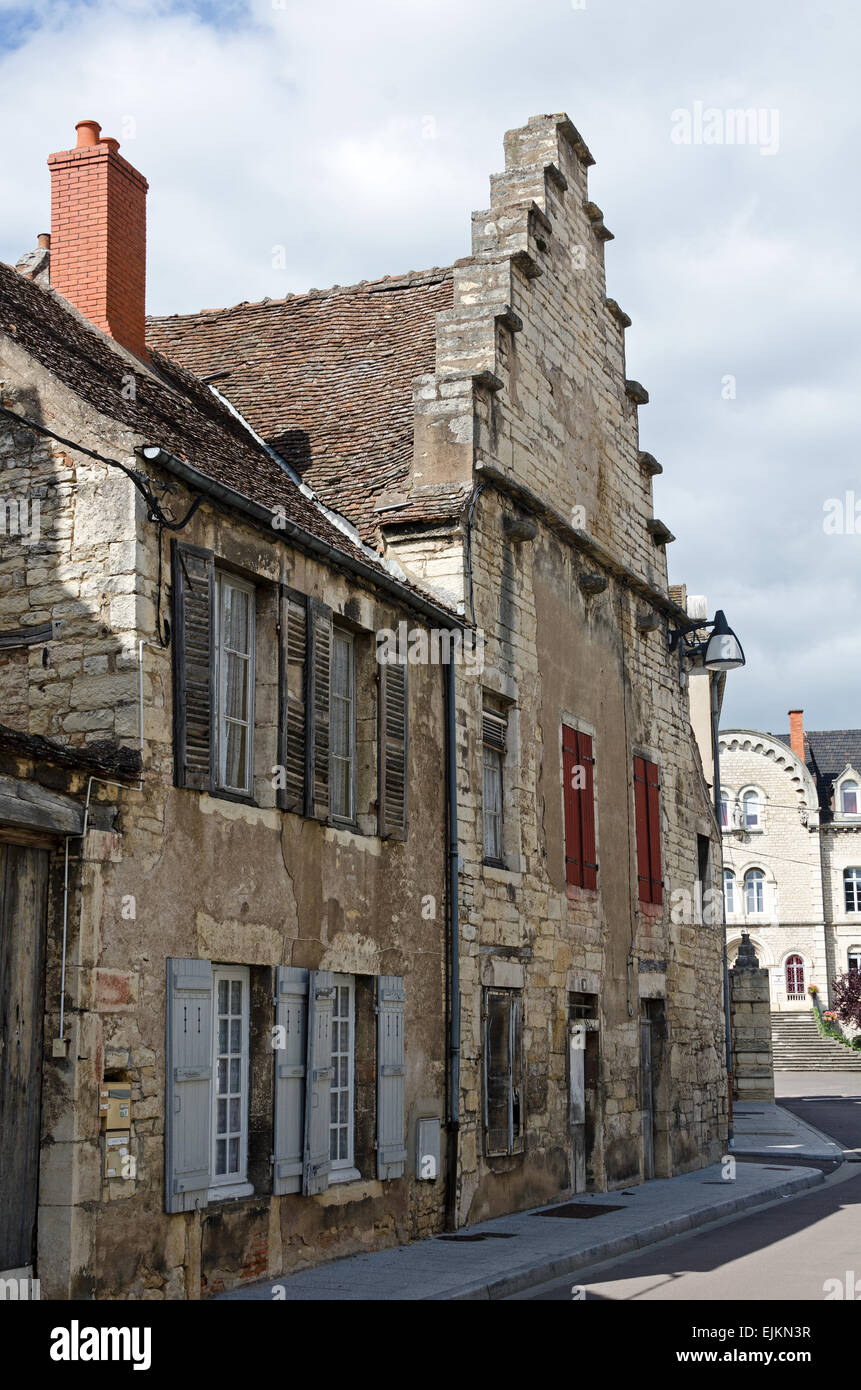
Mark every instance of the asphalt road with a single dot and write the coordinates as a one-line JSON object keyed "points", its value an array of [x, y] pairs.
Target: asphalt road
{"points": [[785, 1251]]}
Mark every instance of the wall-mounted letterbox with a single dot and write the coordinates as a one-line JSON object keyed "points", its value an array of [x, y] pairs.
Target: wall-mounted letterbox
{"points": [[115, 1105], [116, 1154]]}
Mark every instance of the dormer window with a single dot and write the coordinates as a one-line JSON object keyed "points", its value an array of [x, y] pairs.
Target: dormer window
{"points": [[849, 798]]}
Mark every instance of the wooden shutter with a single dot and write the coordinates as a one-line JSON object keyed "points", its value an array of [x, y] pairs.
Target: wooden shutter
{"points": [[193, 584], [391, 1074], [587, 812], [393, 751], [571, 803], [319, 701], [493, 730], [654, 807], [291, 1015], [293, 741], [188, 1083], [321, 995], [641, 816]]}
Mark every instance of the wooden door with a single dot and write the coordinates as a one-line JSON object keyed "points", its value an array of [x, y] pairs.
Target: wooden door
{"points": [[23, 900]]}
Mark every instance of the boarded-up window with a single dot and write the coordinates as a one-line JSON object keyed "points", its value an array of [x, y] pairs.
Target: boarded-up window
{"points": [[647, 809], [578, 764], [503, 1071]]}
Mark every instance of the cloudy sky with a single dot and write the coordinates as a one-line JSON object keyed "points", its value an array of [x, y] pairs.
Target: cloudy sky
{"points": [[359, 136]]}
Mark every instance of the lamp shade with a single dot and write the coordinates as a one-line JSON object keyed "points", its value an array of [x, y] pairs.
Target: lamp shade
{"points": [[723, 649]]}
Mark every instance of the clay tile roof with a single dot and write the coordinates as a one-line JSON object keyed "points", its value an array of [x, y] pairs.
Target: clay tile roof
{"points": [[171, 408], [326, 379]]}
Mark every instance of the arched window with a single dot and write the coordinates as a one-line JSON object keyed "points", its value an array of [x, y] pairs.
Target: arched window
{"points": [[852, 889], [795, 977], [729, 890], [849, 798], [724, 811], [854, 958], [752, 811], [754, 890]]}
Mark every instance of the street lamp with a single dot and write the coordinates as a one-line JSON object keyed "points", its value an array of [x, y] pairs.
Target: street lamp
{"points": [[720, 653]]}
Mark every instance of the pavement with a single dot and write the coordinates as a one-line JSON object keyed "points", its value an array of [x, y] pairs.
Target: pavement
{"points": [[511, 1254]]}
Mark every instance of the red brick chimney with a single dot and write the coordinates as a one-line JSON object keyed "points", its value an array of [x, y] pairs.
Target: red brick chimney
{"points": [[796, 732], [98, 235]]}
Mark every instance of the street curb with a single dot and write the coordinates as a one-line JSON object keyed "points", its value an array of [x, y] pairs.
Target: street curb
{"points": [[528, 1276]]}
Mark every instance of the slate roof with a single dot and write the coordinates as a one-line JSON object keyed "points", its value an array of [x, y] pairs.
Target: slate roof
{"points": [[827, 751], [171, 408], [326, 379]]}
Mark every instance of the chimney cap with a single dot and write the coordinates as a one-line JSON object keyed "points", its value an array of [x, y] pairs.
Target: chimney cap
{"points": [[88, 133], [795, 711], [43, 240]]}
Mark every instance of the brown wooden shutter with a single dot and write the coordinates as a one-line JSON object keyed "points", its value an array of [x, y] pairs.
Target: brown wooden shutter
{"points": [[393, 752], [319, 701], [587, 812], [293, 700], [571, 803], [654, 805], [641, 816], [193, 584]]}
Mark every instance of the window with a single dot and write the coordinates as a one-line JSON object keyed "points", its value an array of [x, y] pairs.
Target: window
{"points": [[849, 798], [230, 1075], [578, 799], [852, 889], [724, 811], [795, 977], [494, 728], [752, 811], [754, 887], [503, 1071], [647, 810], [343, 726], [854, 960], [341, 1085], [729, 890], [234, 682]]}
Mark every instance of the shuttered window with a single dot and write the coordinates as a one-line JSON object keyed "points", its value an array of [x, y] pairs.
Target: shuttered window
{"points": [[391, 1077], [230, 1075], [493, 734], [393, 750], [188, 1084], [213, 674], [294, 643], [343, 726], [648, 830], [578, 766], [341, 1086], [234, 686], [319, 705], [503, 1071]]}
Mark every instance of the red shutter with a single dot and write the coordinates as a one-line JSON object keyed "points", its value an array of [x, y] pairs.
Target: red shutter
{"points": [[641, 815], [587, 812], [571, 801], [654, 802]]}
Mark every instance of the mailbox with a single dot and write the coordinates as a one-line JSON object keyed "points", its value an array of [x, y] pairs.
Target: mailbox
{"points": [[116, 1151], [115, 1105]]}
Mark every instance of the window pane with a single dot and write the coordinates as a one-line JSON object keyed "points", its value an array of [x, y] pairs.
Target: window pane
{"points": [[341, 1085], [235, 614], [492, 799], [236, 669], [498, 1071], [341, 717], [235, 773]]}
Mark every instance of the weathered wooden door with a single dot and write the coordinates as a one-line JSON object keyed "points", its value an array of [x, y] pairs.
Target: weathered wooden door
{"points": [[23, 899], [648, 1098]]}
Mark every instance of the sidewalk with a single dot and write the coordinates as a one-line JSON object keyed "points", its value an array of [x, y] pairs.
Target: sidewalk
{"points": [[501, 1257]]}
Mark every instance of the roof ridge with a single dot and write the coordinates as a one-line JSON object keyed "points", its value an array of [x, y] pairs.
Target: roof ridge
{"points": [[434, 276]]}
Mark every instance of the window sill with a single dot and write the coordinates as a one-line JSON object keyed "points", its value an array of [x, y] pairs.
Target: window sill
{"points": [[339, 1175], [230, 1192], [221, 794]]}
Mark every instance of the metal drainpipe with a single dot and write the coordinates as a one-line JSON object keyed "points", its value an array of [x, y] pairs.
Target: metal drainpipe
{"points": [[726, 1000], [454, 949]]}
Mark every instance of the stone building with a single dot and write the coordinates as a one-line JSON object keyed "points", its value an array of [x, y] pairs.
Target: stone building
{"points": [[346, 949], [792, 854]]}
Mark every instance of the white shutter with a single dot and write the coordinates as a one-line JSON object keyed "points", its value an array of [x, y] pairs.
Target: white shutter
{"points": [[291, 1018], [391, 1073], [188, 1084], [321, 995]]}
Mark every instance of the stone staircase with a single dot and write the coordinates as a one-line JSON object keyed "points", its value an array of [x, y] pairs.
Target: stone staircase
{"points": [[799, 1046]]}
